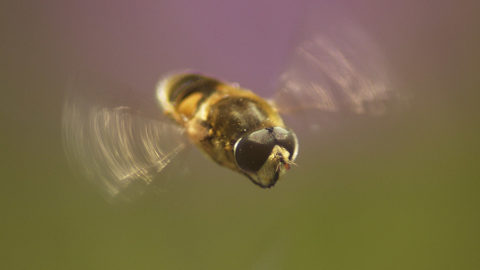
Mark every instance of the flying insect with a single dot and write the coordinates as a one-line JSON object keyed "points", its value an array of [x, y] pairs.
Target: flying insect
{"points": [[236, 128], [120, 149]]}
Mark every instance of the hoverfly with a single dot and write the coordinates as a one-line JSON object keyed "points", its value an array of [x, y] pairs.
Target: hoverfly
{"points": [[236, 128], [120, 149]]}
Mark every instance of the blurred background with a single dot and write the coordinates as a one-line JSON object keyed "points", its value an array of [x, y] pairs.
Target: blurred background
{"points": [[393, 192]]}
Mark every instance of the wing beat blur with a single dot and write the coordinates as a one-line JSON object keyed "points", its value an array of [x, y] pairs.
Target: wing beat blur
{"points": [[117, 148], [335, 68]]}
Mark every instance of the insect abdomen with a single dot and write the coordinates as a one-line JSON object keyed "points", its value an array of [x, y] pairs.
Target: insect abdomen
{"points": [[182, 94]]}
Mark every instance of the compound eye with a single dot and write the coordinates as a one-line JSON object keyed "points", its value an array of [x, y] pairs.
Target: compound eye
{"points": [[286, 139], [252, 151]]}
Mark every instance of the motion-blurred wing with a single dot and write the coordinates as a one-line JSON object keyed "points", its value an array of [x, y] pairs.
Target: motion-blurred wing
{"points": [[117, 148], [335, 69]]}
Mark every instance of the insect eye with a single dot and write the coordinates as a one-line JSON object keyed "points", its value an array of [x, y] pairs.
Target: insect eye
{"points": [[286, 139], [252, 151]]}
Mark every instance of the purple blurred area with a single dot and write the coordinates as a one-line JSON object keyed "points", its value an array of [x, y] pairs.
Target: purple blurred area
{"points": [[140, 42], [249, 41]]}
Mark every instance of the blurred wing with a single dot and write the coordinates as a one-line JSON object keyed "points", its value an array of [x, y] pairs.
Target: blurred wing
{"points": [[335, 69], [117, 148]]}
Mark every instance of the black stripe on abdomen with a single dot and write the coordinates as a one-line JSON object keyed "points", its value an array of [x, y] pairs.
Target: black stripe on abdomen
{"points": [[191, 83]]}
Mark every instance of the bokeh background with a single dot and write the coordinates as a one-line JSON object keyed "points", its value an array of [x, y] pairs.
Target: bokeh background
{"points": [[394, 192]]}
